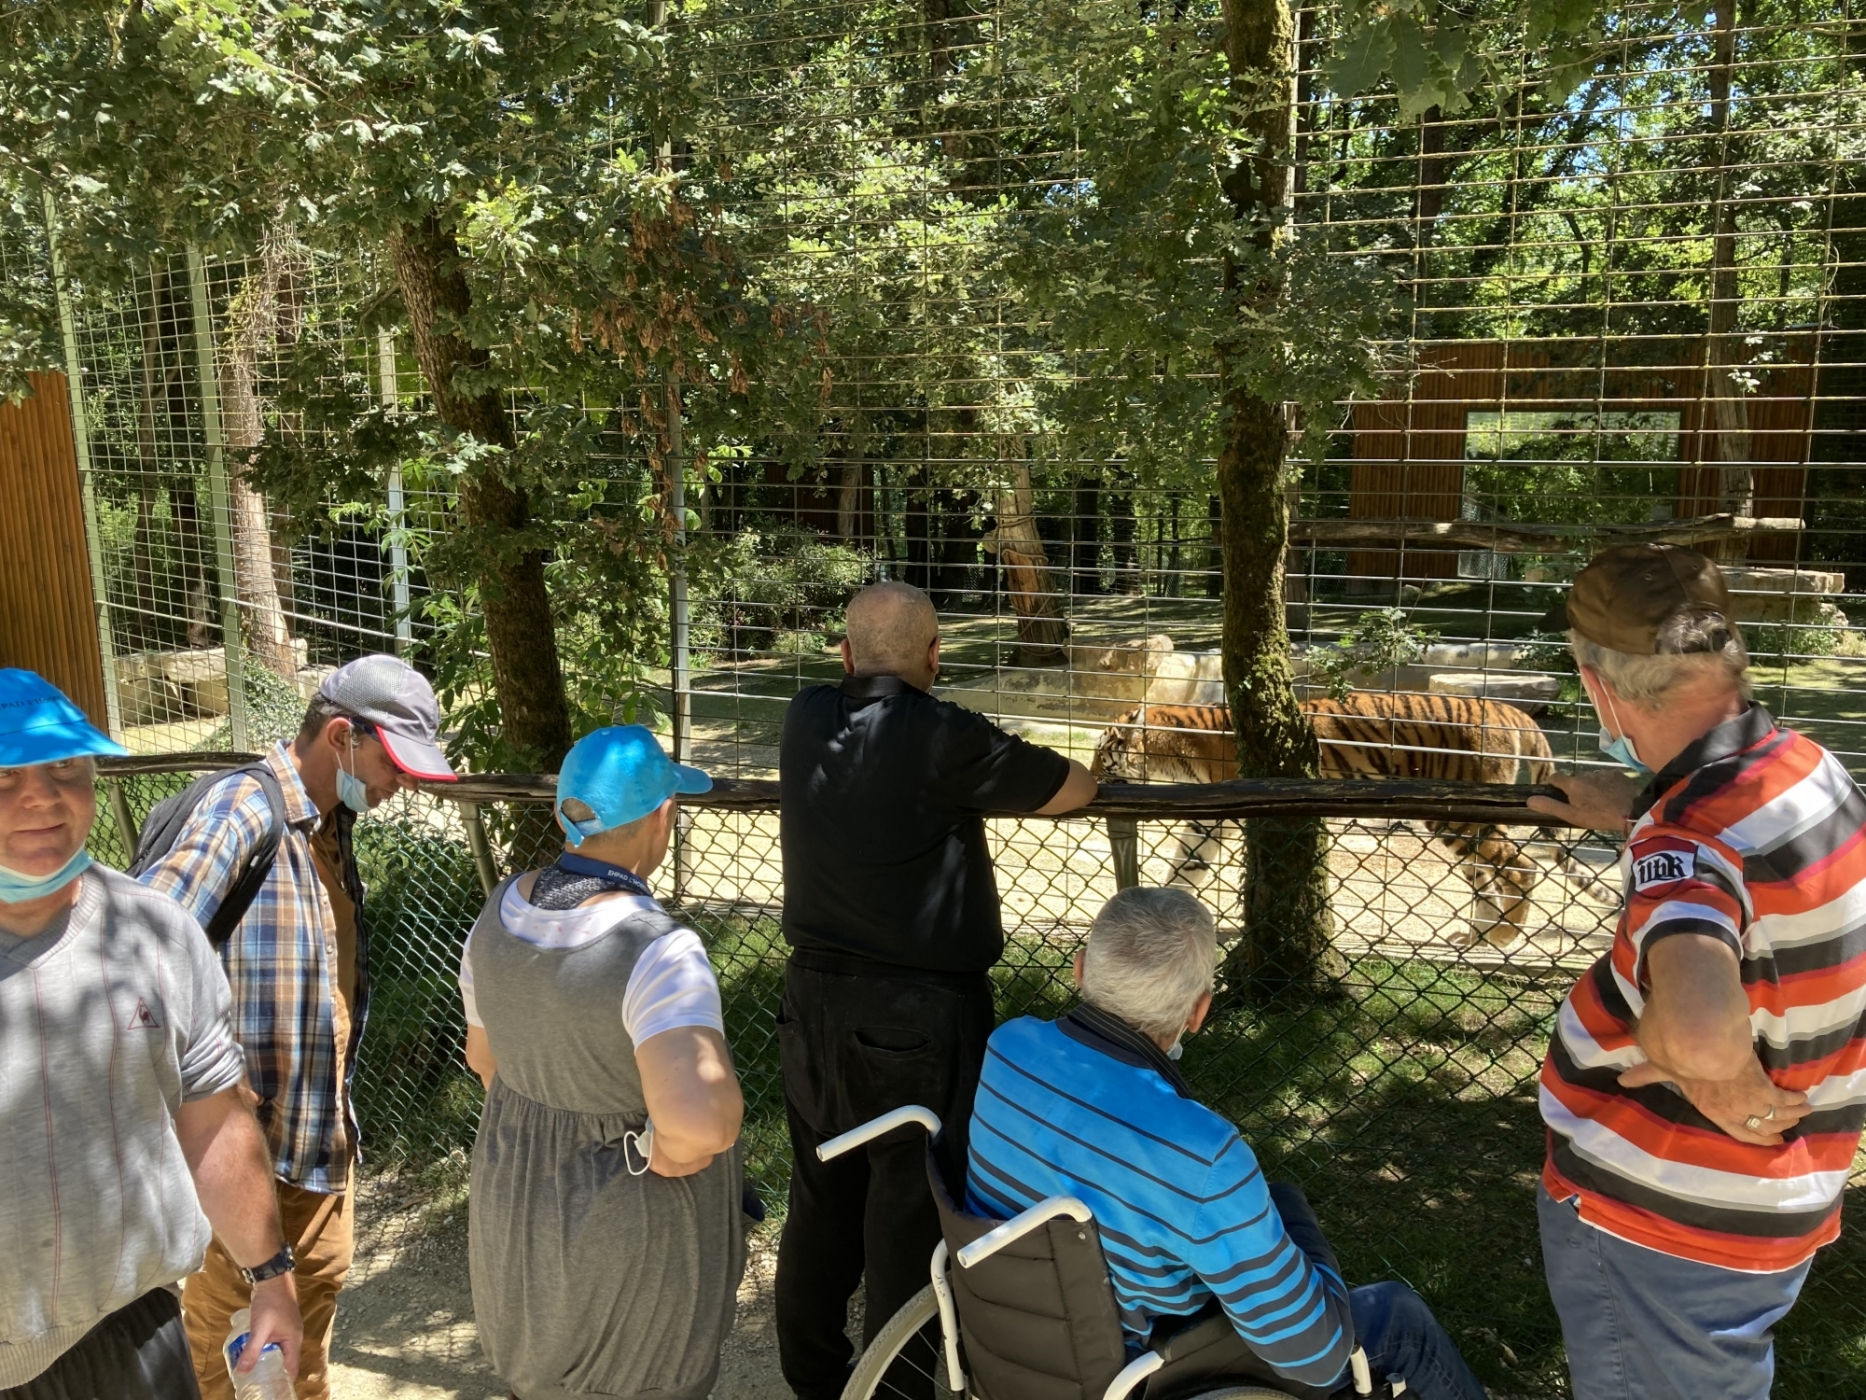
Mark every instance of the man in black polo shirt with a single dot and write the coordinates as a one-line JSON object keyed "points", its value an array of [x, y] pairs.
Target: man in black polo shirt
{"points": [[892, 914]]}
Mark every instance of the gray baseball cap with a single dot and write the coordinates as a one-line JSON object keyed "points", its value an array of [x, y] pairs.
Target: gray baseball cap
{"points": [[396, 701]]}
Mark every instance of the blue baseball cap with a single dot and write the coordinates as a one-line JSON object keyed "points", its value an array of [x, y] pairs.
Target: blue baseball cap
{"points": [[39, 725], [621, 775]]}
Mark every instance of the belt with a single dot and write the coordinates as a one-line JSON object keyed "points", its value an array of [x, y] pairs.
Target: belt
{"points": [[840, 964]]}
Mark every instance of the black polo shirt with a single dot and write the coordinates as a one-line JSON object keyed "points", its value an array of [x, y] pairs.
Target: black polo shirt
{"points": [[884, 791]]}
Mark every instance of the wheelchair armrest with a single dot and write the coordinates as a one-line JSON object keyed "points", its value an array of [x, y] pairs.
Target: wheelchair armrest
{"points": [[1021, 1224], [1193, 1333]]}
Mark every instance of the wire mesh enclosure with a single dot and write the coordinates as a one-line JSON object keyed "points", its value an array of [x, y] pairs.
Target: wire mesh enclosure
{"points": [[1404, 1102], [993, 240], [1622, 311]]}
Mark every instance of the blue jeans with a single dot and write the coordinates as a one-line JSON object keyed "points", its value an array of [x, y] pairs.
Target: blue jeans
{"points": [[1641, 1325], [1403, 1339]]}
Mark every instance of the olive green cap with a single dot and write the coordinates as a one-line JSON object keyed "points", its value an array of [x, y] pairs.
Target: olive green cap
{"points": [[1626, 595]]}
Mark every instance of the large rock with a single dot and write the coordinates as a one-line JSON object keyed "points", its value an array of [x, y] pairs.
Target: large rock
{"points": [[1783, 595], [160, 687]]}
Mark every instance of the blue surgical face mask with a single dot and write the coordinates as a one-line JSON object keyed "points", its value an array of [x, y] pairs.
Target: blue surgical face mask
{"points": [[16, 888], [1620, 750], [352, 791]]}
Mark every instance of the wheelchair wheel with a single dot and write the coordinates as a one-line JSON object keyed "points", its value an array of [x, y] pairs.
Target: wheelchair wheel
{"points": [[1242, 1392], [906, 1361]]}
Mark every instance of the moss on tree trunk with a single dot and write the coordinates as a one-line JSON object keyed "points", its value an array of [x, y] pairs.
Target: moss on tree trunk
{"points": [[1286, 952], [528, 677]]}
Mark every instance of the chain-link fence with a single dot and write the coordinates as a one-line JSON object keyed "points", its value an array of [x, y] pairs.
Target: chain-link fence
{"points": [[1401, 1093]]}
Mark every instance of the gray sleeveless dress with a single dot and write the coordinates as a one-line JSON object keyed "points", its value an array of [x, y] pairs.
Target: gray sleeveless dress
{"points": [[587, 1281]]}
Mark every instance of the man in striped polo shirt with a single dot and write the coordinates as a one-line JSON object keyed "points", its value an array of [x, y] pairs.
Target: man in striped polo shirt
{"points": [[1093, 1106], [1704, 1087]]}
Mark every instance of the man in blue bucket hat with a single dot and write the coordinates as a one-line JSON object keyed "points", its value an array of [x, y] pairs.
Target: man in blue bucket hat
{"points": [[125, 1141], [612, 1113]]}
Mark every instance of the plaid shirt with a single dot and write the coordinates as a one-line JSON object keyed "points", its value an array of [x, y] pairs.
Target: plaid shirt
{"points": [[281, 962]]}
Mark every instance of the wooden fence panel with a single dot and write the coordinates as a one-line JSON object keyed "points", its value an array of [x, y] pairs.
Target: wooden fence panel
{"points": [[48, 613]]}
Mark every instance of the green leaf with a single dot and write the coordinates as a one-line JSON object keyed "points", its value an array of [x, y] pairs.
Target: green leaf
{"points": [[1362, 58]]}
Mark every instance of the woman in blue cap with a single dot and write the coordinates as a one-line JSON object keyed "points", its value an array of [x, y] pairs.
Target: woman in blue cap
{"points": [[606, 1238]]}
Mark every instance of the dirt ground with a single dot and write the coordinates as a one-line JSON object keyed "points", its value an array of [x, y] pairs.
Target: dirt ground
{"points": [[405, 1326]]}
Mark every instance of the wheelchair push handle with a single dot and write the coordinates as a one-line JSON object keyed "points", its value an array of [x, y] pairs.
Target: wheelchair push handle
{"points": [[877, 1127]]}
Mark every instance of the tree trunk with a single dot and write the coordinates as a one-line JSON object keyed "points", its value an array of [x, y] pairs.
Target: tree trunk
{"points": [[1121, 528], [1286, 953], [1085, 537], [254, 326], [1723, 356], [148, 464], [527, 675], [1041, 637]]}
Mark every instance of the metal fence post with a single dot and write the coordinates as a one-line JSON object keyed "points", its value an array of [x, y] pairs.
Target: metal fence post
{"points": [[220, 498], [1124, 846], [87, 484], [390, 389], [679, 675], [120, 813], [480, 846]]}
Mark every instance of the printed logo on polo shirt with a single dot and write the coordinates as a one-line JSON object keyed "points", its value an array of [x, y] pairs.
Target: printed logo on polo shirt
{"points": [[142, 1018], [1665, 867]]}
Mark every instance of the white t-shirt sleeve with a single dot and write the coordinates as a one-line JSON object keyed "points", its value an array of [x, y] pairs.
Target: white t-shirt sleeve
{"points": [[466, 986], [672, 985]]}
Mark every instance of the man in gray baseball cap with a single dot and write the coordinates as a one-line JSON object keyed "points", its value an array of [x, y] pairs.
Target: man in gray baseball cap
{"points": [[298, 962]]}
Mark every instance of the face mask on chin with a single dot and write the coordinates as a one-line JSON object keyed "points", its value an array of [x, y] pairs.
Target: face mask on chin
{"points": [[16, 888], [1620, 750]]}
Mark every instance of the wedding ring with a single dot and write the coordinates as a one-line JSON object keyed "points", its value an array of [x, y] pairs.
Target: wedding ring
{"points": [[1770, 1114], [1753, 1123]]}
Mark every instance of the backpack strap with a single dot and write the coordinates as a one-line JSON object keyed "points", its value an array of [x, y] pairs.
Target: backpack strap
{"points": [[252, 877]]}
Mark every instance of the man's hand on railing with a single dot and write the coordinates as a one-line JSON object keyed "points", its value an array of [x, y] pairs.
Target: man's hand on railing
{"points": [[1601, 800]]}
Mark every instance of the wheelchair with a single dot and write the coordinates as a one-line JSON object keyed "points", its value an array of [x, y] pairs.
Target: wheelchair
{"points": [[1029, 1314]]}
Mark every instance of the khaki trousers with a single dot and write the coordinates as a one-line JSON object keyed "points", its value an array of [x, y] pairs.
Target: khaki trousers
{"points": [[319, 1228]]}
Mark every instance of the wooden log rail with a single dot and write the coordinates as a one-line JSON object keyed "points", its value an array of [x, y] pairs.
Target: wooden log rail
{"points": [[1372, 800], [1509, 537]]}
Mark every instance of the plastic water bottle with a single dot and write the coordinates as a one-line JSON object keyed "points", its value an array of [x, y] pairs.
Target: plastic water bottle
{"points": [[266, 1381]]}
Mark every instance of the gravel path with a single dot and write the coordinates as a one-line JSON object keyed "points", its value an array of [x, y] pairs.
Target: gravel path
{"points": [[405, 1327]]}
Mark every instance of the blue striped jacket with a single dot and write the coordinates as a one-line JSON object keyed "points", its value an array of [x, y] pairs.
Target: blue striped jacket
{"points": [[1181, 1205]]}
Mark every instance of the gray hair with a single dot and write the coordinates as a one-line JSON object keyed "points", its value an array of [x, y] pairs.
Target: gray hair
{"points": [[1151, 955], [1691, 646]]}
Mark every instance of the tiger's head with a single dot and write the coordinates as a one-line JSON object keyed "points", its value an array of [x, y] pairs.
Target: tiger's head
{"points": [[1121, 755]]}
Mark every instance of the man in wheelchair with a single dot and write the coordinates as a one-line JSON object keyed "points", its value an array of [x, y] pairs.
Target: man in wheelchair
{"points": [[1092, 1106]]}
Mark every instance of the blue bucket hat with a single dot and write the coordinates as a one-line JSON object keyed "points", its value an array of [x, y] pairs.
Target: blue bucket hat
{"points": [[39, 725], [621, 774]]}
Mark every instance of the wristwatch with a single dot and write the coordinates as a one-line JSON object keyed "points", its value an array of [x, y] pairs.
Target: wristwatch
{"points": [[280, 1263]]}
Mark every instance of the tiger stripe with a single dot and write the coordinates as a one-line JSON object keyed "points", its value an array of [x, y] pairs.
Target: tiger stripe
{"points": [[1454, 738]]}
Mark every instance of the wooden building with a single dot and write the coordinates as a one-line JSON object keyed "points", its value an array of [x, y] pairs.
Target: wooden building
{"points": [[1409, 454]]}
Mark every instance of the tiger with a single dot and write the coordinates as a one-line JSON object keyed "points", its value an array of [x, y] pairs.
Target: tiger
{"points": [[1365, 735]]}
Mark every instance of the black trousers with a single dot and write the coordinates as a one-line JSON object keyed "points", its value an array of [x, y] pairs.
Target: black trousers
{"points": [[138, 1352], [856, 1040]]}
